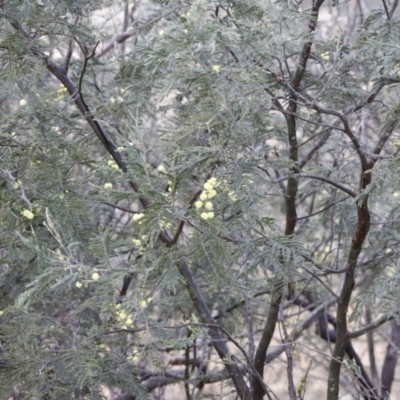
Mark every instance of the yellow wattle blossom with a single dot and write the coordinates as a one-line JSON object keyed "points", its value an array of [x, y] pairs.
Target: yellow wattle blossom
{"points": [[208, 205], [33, 163], [212, 193], [61, 92], [28, 214], [161, 168], [232, 195], [208, 186], [216, 69], [95, 276], [198, 204], [137, 242], [16, 184], [164, 224], [78, 284], [112, 164], [145, 303], [204, 215], [108, 185], [325, 56], [60, 256], [208, 193], [22, 102], [161, 32], [136, 217]]}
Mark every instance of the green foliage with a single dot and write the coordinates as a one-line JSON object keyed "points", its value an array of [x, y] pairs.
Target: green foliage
{"points": [[195, 98]]}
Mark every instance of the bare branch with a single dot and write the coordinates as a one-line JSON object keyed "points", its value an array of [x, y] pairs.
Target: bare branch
{"points": [[370, 327]]}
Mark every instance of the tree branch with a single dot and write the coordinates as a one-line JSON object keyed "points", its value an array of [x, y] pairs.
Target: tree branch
{"points": [[321, 178]]}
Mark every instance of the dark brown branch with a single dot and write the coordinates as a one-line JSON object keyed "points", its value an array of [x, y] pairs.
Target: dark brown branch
{"points": [[218, 342], [386, 10], [323, 209], [290, 206], [115, 40], [370, 327], [321, 178], [331, 336], [393, 9], [266, 337], [389, 364], [128, 210], [342, 340], [70, 47], [311, 153]]}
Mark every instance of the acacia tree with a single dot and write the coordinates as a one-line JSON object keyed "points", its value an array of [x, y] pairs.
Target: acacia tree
{"points": [[187, 188]]}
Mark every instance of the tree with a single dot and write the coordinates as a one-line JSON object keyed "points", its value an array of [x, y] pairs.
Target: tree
{"points": [[188, 188]]}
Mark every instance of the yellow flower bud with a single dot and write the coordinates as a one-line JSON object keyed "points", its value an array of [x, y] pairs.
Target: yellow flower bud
{"points": [[208, 186], [325, 56], [28, 214], [211, 194], [95, 276], [216, 69]]}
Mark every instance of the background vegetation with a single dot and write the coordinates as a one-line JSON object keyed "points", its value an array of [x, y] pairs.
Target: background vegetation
{"points": [[199, 199]]}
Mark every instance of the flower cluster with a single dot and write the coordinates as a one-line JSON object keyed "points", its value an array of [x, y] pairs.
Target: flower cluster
{"points": [[28, 214], [95, 276], [216, 69], [140, 244], [165, 224], [325, 56], [204, 203], [112, 164], [61, 92], [137, 217], [123, 318], [119, 99]]}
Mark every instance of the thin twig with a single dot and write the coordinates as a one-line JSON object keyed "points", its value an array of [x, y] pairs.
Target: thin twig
{"points": [[321, 178]]}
